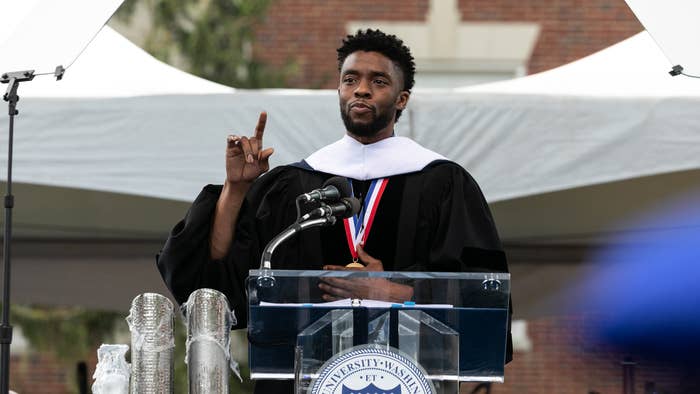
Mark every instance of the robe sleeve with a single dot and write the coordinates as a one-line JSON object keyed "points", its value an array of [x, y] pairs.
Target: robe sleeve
{"points": [[185, 262]]}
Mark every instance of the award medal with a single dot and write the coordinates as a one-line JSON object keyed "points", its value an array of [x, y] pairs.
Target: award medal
{"points": [[357, 227]]}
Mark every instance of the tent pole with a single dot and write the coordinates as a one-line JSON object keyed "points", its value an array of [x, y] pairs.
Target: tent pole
{"points": [[13, 79]]}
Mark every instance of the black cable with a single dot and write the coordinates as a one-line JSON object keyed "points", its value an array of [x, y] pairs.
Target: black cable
{"points": [[298, 204], [690, 76]]}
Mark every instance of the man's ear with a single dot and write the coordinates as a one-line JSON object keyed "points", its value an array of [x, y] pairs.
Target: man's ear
{"points": [[402, 99]]}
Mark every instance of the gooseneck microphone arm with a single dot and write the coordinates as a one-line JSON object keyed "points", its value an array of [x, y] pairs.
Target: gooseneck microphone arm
{"points": [[325, 215], [266, 259]]}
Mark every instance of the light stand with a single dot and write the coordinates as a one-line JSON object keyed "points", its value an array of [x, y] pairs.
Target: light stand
{"points": [[73, 25], [12, 79]]}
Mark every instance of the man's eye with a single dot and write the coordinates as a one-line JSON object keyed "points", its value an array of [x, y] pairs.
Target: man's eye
{"points": [[380, 82], [349, 80]]}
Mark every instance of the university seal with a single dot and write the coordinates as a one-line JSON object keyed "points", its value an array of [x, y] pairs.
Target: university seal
{"points": [[370, 369]]}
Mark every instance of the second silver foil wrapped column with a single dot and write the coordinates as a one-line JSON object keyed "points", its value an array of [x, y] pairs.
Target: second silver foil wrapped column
{"points": [[151, 324], [209, 321]]}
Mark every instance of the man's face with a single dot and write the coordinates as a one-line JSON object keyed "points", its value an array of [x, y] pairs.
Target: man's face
{"points": [[370, 91]]}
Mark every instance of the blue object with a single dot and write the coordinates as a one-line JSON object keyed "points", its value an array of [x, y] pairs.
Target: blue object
{"points": [[645, 291]]}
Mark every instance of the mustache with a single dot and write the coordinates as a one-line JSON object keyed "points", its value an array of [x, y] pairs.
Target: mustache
{"points": [[362, 104]]}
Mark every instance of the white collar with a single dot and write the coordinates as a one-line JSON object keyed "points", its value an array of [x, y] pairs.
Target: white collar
{"points": [[391, 156]]}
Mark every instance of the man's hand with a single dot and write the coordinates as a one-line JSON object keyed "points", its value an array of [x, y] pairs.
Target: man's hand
{"points": [[245, 158], [245, 161], [363, 288]]}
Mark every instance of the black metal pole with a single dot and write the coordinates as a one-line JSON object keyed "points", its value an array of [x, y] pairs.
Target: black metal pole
{"points": [[13, 79]]}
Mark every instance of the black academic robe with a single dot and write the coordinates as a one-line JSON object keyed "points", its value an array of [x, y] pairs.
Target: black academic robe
{"points": [[435, 219]]}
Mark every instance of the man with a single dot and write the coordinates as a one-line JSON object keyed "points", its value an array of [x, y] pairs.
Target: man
{"points": [[429, 213]]}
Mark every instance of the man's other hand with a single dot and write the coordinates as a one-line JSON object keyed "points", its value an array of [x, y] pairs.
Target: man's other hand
{"points": [[363, 288]]}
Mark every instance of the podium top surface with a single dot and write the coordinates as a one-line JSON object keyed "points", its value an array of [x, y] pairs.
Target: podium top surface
{"points": [[322, 288], [502, 276]]}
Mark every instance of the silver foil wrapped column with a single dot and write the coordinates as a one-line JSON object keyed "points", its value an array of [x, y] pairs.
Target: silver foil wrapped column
{"points": [[209, 321], [151, 324]]}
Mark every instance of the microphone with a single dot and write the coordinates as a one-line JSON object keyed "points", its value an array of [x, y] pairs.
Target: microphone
{"points": [[346, 207], [333, 189], [325, 216]]}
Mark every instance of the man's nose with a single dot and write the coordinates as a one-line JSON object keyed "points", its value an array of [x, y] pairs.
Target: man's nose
{"points": [[363, 90]]}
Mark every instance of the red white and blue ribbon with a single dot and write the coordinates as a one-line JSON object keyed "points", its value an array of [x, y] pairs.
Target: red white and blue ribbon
{"points": [[357, 227]]}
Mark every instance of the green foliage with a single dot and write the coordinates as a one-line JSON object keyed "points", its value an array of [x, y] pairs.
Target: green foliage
{"points": [[69, 335], [212, 38], [72, 335], [235, 385], [180, 380]]}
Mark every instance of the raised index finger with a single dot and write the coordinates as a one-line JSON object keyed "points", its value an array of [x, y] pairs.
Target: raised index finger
{"points": [[260, 128]]}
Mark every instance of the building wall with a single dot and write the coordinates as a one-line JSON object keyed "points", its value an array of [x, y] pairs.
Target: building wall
{"points": [[307, 32], [570, 29], [564, 360], [39, 373]]}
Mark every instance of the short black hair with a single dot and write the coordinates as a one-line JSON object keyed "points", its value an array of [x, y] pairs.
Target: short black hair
{"points": [[388, 45]]}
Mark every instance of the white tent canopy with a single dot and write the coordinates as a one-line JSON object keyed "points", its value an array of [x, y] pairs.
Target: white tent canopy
{"points": [[122, 121], [632, 68], [579, 151], [614, 115], [111, 66]]}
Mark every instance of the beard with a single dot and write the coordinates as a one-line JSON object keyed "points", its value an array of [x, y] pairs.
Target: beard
{"points": [[379, 121]]}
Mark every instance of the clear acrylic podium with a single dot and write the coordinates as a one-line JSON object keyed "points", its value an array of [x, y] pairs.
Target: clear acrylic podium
{"points": [[454, 325]]}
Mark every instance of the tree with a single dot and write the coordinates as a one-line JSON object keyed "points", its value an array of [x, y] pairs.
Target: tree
{"points": [[209, 38], [70, 335]]}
